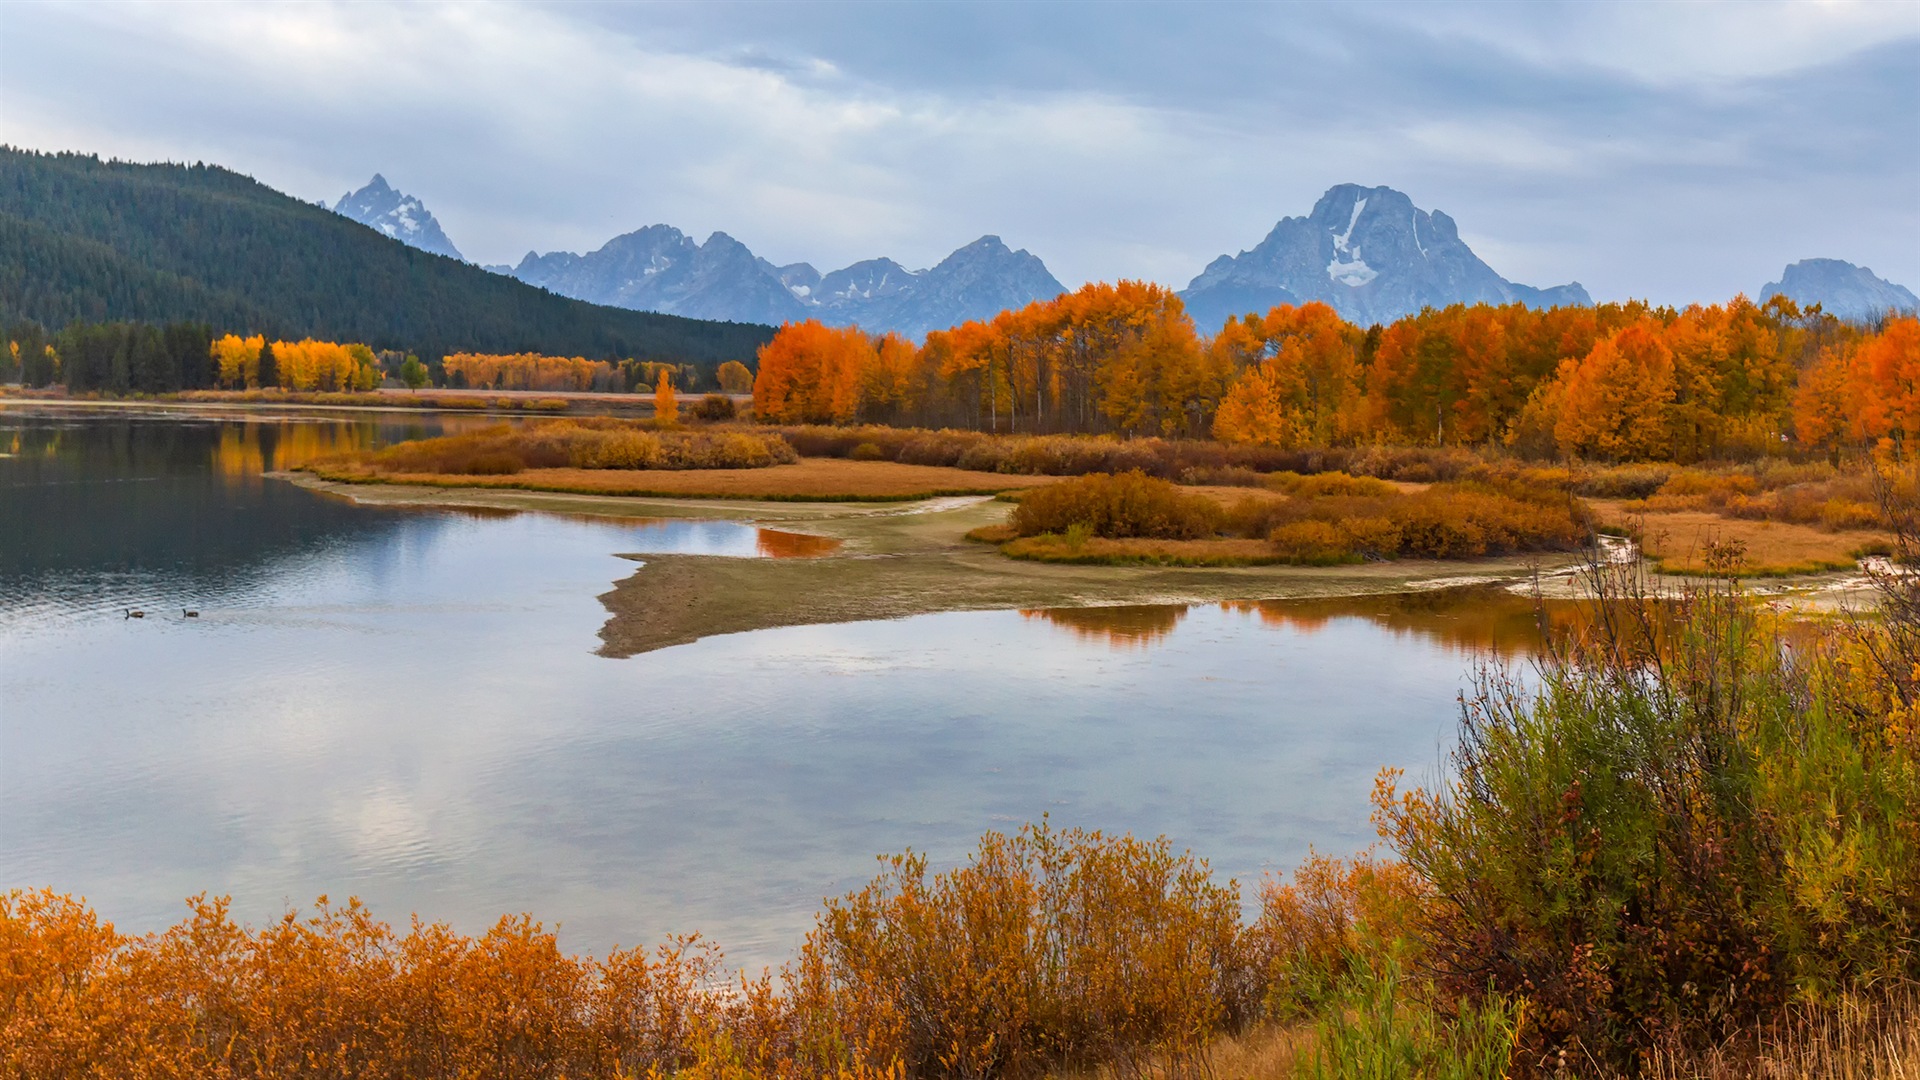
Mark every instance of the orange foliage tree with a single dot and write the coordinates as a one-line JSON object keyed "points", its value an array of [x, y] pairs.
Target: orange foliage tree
{"points": [[666, 406], [1300, 380], [1865, 390], [1608, 381]]}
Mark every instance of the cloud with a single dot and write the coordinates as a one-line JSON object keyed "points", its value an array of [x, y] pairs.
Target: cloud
{"points": [[1673, 152]]}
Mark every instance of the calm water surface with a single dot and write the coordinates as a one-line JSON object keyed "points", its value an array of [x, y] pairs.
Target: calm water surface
{"points": [[406, 706]]}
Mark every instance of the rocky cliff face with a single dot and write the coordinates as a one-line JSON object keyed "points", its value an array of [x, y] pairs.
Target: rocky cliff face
{"points": [[1842, 290], [398, 215], [1370, 254], [659, 268]]}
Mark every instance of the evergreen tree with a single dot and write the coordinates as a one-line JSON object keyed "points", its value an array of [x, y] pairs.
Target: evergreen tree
{"points": [[87, 240], [269, 367]]}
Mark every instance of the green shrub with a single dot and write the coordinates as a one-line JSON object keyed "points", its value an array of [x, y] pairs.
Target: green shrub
{"points": [[1681, 826]]}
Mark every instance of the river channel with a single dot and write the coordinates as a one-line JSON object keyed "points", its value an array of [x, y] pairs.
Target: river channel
{"points": [[406, 706]]}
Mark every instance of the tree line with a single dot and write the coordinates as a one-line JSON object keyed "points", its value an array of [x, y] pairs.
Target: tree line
{"points": [[133, 357], [1610, 382]]}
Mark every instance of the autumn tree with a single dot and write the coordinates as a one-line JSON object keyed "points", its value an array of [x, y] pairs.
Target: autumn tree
{"points": [[1302, 383], [811, 373], [1613, 402], [666, 406], [735, 378]]}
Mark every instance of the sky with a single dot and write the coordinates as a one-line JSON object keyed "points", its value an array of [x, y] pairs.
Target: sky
{"points": [[1673, 152]]}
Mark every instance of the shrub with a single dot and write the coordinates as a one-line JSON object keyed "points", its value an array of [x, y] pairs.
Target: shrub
{"points": [[581, 444], [1330, 483], [1679, 827], [1130, 504], [715, 407], [867, 452], [1047, 950], [1312, 543]]}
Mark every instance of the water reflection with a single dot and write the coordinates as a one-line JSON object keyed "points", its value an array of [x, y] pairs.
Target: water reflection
{"points": [[1472, 620], [407, 707], [1123, 626]]}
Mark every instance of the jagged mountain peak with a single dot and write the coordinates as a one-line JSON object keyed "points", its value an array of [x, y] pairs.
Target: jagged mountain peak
{"points": [[1370, 253], [659, 268], [1842, 290], [397, 214]]}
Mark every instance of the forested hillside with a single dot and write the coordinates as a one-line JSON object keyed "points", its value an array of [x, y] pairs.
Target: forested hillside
{"points": [[87, 240]]}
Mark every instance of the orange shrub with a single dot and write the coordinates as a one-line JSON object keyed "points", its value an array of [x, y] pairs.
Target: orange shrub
{"points": [[580, 444], [1131, 504], [1333, 917]]}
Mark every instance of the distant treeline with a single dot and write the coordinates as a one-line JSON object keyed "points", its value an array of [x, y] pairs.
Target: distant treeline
{"points": [[87, 241], [133, 357], [1606, 382]]}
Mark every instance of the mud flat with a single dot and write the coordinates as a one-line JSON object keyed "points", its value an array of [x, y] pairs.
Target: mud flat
{"points": [[896, 560]]}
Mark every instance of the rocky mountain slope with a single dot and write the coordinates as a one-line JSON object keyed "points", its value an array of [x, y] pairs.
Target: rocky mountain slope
{"points": [[85, 240], [1842, 290], [398, 215], [1367, 252], [659, 268]]}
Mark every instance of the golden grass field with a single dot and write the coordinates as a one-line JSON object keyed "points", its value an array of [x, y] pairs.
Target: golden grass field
{"points": [[1678, 541]]}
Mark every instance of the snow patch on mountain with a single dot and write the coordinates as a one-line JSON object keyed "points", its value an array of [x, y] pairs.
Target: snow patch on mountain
{"points": [[1413, 259], [398, 215]]}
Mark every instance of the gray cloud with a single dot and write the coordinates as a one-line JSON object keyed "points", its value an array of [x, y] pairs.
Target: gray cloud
{"points": [[1675, 152]]}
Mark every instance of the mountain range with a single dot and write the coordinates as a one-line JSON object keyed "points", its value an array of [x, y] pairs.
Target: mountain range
{"points": [[660, 268], [1369, 253], [1842, 290]]}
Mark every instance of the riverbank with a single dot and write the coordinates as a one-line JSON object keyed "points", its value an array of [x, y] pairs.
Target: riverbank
{"points": [[903, 559], [910, 559]]}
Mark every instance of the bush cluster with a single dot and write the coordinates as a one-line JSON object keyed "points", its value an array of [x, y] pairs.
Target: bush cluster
{"points": [[1047, 950], [1189, 461], [1683, 826], [1324, 519], [580, 444], [1127, 505]]}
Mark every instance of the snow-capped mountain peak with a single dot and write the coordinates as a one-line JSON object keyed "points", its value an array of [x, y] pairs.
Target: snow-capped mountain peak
{"points": [[397, 214], [1370, 254]]}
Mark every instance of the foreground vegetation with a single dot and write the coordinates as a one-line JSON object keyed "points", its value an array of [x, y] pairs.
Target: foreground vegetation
{"points": [[1319, 520], [1687, 848]]}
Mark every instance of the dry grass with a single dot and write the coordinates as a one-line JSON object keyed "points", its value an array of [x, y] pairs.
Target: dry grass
{"points": [[809, 480], [1869, 1039], [1678, 542], [1135, 551], [1266, 1052]]}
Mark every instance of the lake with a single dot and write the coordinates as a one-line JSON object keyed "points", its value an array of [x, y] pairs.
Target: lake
{"points": [[406, 706]]}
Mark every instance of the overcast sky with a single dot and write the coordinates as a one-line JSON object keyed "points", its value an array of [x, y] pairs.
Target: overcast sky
{"points": [[1672, 151]]}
